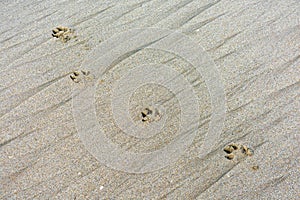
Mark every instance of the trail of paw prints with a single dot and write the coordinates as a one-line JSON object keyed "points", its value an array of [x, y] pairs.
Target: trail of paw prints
{"points": [[101, 59]]}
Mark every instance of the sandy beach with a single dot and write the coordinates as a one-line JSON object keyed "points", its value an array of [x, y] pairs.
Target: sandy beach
{"points": [[178, 99]]}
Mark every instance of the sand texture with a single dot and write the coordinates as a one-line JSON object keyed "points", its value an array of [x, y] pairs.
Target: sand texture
{"points": [[47, 50]]}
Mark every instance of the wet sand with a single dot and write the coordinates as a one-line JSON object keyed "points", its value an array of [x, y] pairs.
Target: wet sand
{"points": [[255, 48]]}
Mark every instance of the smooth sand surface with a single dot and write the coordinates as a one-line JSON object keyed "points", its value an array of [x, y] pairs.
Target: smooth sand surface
{"points": [[255, 47]]}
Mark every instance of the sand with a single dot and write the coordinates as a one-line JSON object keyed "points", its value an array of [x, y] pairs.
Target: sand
{"points": [[245, 81]]}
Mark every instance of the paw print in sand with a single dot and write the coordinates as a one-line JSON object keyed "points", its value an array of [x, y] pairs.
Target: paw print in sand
{"points": [[150, 114], [76, 75], [63, 33], [236, 151]]}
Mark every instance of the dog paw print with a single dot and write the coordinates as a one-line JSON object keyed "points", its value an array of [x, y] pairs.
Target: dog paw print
{"points": [[149, 115], [63, 33], [76, 76], [236, 151]]}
